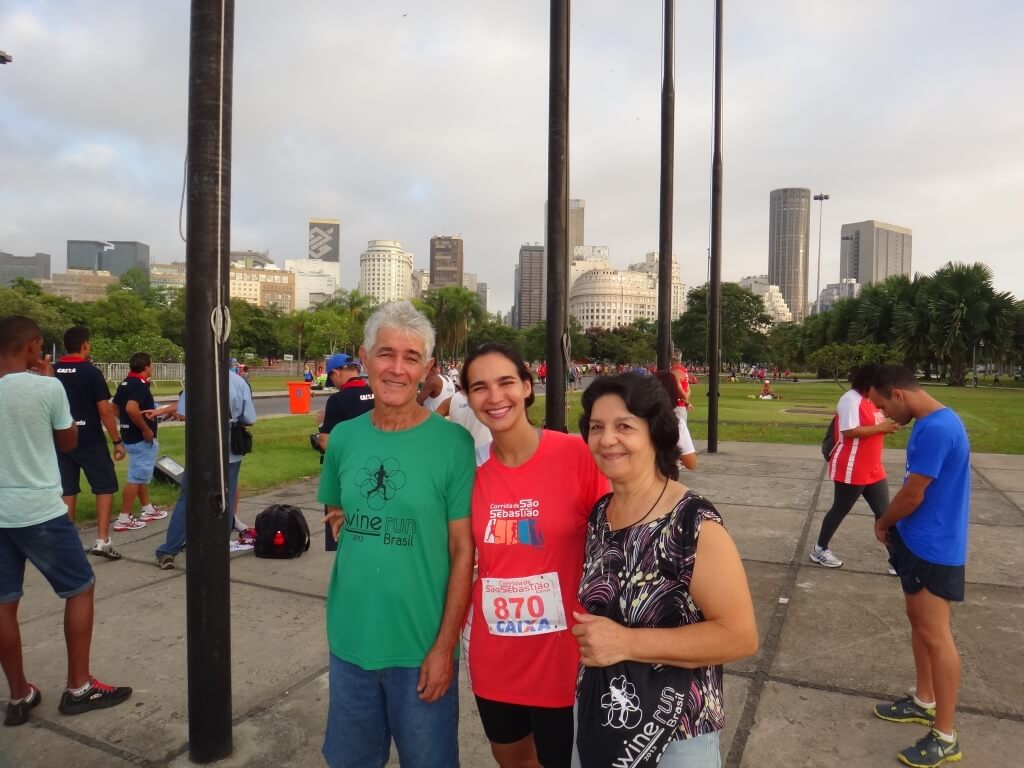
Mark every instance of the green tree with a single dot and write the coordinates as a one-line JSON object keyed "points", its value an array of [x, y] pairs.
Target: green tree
{"points": [[50, 320], [455, 311], [136, 280], [742, 318], [119, 350], [959, 304], [493, 331], [122, 314], [26, 286]]}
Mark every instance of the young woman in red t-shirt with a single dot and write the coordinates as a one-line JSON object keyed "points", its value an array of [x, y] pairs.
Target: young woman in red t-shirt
{"points": [[531, 499]]}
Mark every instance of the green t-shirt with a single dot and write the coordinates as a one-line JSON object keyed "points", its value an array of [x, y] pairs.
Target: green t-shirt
{"points": [[31, 408], [399, 491]]}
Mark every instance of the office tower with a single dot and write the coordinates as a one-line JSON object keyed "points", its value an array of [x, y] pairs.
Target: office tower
{"points": [[577, 209], [870, 251], [482, 295], [469, 281], [29, 267], [445, 260], [316, 281], [113, 256], [325, 240], [251, 259], [609, 298], [420, 283], [262, 286], [80, 284], [677, 300], [833, 292], [530, 286], [789, 218], [385, 271]]}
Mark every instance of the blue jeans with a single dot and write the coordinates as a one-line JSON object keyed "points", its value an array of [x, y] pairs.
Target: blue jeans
{"points": [[176, 527], [368, 707], [54, 548]]}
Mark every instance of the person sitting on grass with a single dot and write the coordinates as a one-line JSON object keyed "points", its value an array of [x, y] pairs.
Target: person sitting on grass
{"points": [[34, 523], [767, 393]]}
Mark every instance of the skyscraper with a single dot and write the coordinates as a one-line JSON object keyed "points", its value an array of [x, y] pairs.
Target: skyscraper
{"points": [[30, 267], [445, 261], [577, 208], [870, 251], [530, 288], [385, 271], [789, 219]]}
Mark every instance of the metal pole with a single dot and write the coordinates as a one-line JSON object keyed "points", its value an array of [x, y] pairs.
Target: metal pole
{"points": [[817, 288], [208, 615], [558, 216], [668, 117], [715, 283]]}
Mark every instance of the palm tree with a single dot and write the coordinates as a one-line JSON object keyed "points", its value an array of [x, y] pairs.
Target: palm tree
{"points": [[959, 303], [912, 324], [455, 311]]}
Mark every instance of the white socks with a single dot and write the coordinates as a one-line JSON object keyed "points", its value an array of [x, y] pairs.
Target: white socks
{"points": [[76, 692], [923, 704]]}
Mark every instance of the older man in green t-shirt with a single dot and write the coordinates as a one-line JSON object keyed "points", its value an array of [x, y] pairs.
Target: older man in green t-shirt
{"points": [[397, 483]]}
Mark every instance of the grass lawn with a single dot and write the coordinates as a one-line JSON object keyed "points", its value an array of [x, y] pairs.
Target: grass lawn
{"points": [[268, 383], [994, 417], [281, 455]]}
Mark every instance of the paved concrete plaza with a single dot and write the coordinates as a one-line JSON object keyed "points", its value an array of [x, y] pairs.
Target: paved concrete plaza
{"points": [[832, 641]]}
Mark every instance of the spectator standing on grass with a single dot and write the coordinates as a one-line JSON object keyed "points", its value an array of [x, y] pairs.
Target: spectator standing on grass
{"points": [[241, 410], [855, 464], [925, 530], [687, 451], [682, 375], [92, 411], [353, 398], [34, 523], [397, 482], [436, 389], [138, 432]]}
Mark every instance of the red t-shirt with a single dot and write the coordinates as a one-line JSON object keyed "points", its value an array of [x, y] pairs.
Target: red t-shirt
{"points": [[683, 378], [858, 460], [528, 521]]}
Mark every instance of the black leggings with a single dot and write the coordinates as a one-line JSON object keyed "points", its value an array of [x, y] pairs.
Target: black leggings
{"points": [[552, 728], [876, 495]]}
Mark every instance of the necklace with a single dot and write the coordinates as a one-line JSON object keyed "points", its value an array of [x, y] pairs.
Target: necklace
{"points": [[645, 514]]}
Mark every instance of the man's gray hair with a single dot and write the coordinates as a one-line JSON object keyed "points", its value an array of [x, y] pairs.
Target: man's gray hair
{"points": [[399, 316]]}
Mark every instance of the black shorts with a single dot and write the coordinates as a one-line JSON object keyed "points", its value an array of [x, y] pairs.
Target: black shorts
{"points": [[95, 461], [945, 581], [552, 728]]}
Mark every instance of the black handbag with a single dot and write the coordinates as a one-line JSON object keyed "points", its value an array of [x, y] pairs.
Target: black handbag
{"points": [[629, 712], [239, 439]]}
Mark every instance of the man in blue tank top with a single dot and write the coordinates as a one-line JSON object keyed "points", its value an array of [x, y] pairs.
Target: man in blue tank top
{"points": [[925, 529]]}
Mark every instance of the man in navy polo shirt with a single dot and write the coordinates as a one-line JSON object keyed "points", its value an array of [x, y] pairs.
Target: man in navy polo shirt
{"points": [[353, 398], [138, 431], [92, 411], [925, 528]]}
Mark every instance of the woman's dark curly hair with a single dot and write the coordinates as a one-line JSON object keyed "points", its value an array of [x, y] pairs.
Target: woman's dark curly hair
{"points": [[497, 348], [645, 398]]}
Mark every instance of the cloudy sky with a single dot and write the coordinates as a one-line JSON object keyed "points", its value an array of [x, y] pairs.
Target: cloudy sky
{"points": [[410, 119]]}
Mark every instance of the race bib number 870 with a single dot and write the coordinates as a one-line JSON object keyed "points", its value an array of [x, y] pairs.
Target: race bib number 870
{"points": [[526, 605]]}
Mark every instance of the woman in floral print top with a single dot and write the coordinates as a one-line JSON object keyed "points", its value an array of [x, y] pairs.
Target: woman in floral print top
{"points": [[658, 556]]}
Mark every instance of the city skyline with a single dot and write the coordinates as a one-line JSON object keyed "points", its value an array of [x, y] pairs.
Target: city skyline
{"points": [[94, 141]]}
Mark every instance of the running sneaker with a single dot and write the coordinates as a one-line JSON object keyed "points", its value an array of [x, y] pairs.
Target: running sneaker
{"points": [[17, 714], [96, 696], [931, 751], [131, 524], [105, 549], [825, 557], [165, 562], [248, 536], [156, 514], [905, 710], [892, 571]]}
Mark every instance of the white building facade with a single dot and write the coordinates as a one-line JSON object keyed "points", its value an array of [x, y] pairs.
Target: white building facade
{"points": [[385, 271], [315, 281], [774, 304]]}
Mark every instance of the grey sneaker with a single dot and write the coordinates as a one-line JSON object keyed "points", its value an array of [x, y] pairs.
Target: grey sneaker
{"points": [[825, 557], [105, 549], [905, 710], [931, 751], [165, 562]]}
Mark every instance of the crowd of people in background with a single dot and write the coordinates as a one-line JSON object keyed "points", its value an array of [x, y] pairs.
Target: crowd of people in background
{"points": [[580, 577]]}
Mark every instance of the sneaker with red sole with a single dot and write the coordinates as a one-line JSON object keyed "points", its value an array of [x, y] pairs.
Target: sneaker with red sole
{"points": [[248, 536], [131, 524], [156, 514], [17, 714], [96, 696]]}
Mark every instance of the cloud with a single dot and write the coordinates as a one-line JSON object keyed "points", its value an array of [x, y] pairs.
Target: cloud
{"points": [[405, 122]]}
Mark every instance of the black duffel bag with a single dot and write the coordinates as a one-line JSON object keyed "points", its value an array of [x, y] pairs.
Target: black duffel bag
{"points": [[281, 532]]}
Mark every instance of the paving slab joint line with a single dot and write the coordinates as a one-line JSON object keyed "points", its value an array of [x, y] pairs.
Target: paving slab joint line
{"points": [[997, 489], [97, 744], [1015, 717], [771, 641]]}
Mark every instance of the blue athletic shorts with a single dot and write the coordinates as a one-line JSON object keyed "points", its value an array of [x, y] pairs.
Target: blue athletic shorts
{"points": [[54, 548], [142, 458]]}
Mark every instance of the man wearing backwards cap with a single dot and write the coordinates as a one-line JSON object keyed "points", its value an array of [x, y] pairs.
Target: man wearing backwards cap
{"points": [[352, 399]]}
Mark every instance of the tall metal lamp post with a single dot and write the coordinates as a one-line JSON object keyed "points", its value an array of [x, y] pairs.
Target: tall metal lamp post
{"points": [[821, 198], [974, 360]]}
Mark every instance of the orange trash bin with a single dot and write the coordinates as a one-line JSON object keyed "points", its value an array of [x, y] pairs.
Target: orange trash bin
{"points": [[300, 396]]}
